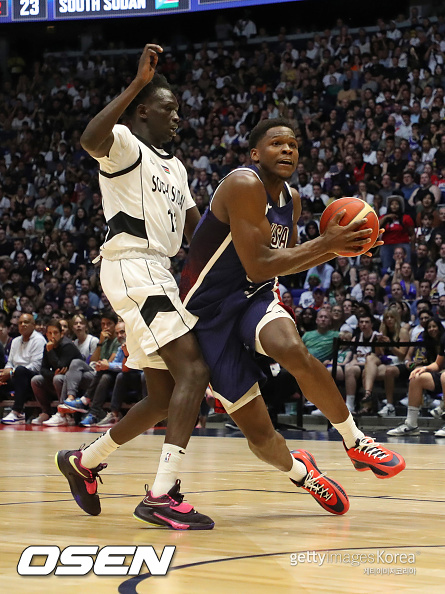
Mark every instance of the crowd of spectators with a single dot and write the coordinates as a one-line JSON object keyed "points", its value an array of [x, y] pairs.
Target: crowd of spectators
{"points": [[369, 117]]}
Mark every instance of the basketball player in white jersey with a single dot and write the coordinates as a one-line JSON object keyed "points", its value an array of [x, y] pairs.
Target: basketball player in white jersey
{"points": [[148, 208]]}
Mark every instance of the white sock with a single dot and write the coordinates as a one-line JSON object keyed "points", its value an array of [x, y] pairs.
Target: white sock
{"points": [[98, 450], [168, 469], [350, 401], [298, 471], [412, 416], [349, 431]]}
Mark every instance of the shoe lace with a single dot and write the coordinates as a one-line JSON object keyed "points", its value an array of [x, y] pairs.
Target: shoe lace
{"points": [[311, 483], [370, 447], [94, 471]]}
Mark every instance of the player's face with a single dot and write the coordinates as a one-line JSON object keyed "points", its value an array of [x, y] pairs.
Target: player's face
{"points": [[277, 152], [162, 116]]}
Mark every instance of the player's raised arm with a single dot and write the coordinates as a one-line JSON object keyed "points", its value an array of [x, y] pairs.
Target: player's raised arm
{"points": [[97, 138], [243, 199]]}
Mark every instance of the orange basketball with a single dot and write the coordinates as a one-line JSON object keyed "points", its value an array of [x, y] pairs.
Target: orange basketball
{"points": [[356, 209]]}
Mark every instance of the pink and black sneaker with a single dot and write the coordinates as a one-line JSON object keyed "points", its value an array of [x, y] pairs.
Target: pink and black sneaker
{"points": [[369, 454], [82, 481], [171, 511], [326, 492]]}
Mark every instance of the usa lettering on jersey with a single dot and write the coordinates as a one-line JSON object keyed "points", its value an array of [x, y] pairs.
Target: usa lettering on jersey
{"points": [[279, 236]]}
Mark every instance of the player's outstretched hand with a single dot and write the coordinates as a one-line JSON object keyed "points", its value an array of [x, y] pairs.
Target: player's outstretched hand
{"points": [[148, 62], [377, 243], [347, 238]]}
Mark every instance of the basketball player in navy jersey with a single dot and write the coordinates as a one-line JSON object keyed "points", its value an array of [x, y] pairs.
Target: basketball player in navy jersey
{"points": [[247, 238], [148, 208]]}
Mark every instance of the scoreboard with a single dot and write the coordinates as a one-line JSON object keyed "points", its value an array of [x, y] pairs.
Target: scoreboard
{"points": [[55, 10]]}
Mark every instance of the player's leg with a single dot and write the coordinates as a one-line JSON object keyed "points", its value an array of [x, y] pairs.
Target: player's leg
{"points": [[81, 468], [425, 381], [163, 504], [280, 340], [254, 421]]}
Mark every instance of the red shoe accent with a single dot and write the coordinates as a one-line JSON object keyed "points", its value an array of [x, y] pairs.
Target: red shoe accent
{"points": [[326, 492], [369, 454]]}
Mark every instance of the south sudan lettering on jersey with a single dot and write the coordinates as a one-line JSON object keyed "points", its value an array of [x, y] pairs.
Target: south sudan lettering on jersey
{"points": [[145, 197], [213, 270], [172, 193]]}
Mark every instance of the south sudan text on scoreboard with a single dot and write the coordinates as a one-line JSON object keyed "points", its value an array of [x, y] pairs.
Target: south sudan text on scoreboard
{"points": [[54, 10]]}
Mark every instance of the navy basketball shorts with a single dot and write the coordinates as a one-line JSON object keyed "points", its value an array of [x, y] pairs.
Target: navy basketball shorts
{"points": [[228, 346]]}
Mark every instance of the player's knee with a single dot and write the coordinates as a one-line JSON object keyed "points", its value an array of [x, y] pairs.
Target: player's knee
{"points": [[303, 361], [197, 374]]}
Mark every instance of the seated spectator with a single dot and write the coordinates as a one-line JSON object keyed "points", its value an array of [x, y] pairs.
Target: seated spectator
{"points": [[337, 283], [405, 277], [319, 299], [288, 300], [399, 229], [422, 378], [338, 320], [440, 263], [390, 330], [107, 370], [323, 271], [24, 362], [5, 339], [344, 355], [59, 352], [85, 342], [127, 381], [398, 257], [343, 265], [357, 291], [425, 353], [85, 289], [319, 342], [424, 231], [354, 368], [307, 297], [104, 353], [307, 321]]}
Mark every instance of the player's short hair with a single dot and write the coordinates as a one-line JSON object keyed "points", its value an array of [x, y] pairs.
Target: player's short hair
{"points": [[262, 127], [157, 82]]}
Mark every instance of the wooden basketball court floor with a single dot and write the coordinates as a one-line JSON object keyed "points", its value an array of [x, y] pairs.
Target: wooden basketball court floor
{"points": [[261, 519]]}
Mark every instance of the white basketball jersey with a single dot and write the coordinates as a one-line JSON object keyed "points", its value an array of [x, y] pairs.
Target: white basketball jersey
{"points": [[145, 197]]}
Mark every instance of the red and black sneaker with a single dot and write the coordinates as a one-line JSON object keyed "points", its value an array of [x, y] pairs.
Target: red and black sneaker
{"points": [[367, 454], [329, 494], [171, 511], [82, 481]]}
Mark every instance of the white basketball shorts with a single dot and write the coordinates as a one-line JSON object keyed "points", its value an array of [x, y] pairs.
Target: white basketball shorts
{"points": [[145, 295]]}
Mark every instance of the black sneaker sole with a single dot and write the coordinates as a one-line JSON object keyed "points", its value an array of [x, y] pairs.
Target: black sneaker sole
{"points": [[159, 522], [72, 478]]}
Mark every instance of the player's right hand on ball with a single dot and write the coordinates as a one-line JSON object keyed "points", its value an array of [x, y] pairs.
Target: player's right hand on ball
{"points": [[148, 62], [347, 238]]}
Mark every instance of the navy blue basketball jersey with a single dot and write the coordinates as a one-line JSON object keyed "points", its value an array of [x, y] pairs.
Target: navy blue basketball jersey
{"points": [[213, 271]]}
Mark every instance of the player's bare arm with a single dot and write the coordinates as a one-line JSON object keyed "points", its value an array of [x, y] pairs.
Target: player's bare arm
{"points": [[97, 138], [241, 202], [192, 218]]}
